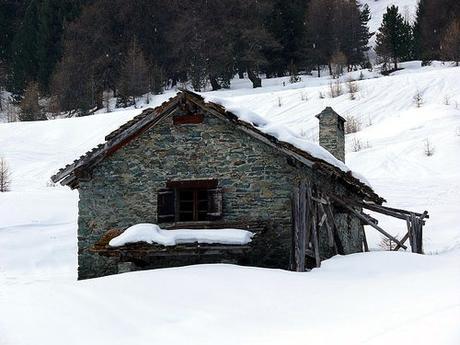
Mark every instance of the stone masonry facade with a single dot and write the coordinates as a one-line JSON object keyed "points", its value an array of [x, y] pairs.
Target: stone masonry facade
{"points": [[257, 181]]}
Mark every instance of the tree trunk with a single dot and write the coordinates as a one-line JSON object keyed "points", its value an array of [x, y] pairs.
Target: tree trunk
{"points": [[214, 83], [319, 71], [256, 81]]}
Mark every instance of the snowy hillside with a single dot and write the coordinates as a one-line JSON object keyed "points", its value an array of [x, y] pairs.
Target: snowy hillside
{"points": [[368, 298]]}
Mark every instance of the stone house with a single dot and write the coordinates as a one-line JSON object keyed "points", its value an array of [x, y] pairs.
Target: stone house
{"points": [[193, 164]]}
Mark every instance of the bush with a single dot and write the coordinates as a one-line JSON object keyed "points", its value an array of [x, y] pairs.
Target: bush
{"points": [[352, 125], [358, 145], [5, 176], [418, 99], [335, 89], [428, 148], [352, 87]]}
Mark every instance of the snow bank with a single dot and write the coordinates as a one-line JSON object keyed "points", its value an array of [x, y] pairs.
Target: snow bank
{"points": [[152, 233]]}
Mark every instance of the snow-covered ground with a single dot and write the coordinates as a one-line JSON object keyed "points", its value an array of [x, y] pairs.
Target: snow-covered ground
{"points": [[369, 298]]}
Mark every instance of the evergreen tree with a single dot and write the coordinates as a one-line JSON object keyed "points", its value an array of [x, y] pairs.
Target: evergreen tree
{"points": [[37, 43], [286, 23], [24, 48], [432, 21], [394, 39], [320, 36], [364, 34]]}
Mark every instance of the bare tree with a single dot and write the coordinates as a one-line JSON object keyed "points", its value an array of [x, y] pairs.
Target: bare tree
{"points": [[30, 109], [387, 243], [134, 76], [5, 176], [338, 63]]}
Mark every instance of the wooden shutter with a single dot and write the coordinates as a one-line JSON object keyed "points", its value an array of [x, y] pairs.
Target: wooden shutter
{"points": [[215, 204], [166, 206]]}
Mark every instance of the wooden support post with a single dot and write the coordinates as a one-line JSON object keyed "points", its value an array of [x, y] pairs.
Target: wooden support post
{"points": [[299, 219], [365, 245]]}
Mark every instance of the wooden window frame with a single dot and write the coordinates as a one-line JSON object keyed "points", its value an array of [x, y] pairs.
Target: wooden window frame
{"points": [[171, 196]]}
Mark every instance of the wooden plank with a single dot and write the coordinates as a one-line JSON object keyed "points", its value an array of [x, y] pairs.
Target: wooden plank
{"points": [[296, 228], [337, 241], [309, 213], [299, 227], [368, 221], [315, 240], [302, 226], [330, 234]]}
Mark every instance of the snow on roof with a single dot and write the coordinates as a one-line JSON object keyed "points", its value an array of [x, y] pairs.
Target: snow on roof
{"points": [[152, 233], [283, 133]]}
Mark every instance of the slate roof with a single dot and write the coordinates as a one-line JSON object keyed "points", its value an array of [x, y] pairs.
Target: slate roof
{"points": [[80, 168]]}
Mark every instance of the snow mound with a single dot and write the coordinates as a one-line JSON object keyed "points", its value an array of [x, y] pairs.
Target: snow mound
{"points": [[152, 233]]}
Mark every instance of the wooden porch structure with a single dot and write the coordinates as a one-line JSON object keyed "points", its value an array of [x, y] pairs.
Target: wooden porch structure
{"points": [[313, 211]]}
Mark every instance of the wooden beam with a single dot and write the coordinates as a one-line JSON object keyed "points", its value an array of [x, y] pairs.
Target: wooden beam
{"points": [[368, 221], [403, 240], [390, 211]]}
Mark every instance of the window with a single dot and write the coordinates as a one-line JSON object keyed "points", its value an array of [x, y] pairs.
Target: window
{"points": [[190, 201], [193, 204]]}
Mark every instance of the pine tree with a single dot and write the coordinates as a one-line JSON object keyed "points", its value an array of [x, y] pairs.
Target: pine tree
{"points": [[321, 44], [364, 34], [286, 24], [394, 39], [24, 48]]}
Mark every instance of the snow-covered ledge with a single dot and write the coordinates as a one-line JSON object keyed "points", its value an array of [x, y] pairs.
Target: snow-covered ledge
{"points": [[152, 233]]}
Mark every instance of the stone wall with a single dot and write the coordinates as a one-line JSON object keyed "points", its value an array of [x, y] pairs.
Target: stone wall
{"points": [[256, 179]]}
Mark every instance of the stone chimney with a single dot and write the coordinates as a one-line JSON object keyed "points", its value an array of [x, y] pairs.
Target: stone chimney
{"points": [[332, 132]]}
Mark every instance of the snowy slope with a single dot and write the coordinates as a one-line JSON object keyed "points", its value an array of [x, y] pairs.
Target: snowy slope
{"points": [[372, 298]]}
